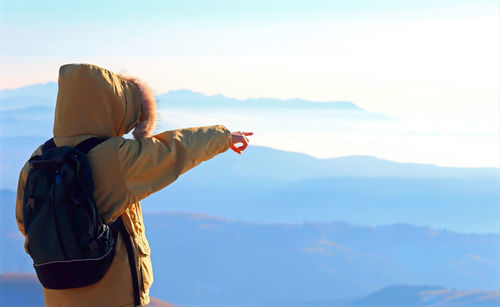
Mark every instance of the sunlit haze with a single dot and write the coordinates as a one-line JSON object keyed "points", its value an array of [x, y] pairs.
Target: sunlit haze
{"points": [[432, 66]]}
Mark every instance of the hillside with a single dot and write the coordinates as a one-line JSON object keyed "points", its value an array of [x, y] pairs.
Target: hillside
{"points": [[469, 205], [420, 296], [268, 165], [20, 290], [205, 259], [361, 190], [281, 228], [45, 94]]}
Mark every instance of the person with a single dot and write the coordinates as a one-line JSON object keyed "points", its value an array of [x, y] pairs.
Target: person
{"points": [[93, 101]]}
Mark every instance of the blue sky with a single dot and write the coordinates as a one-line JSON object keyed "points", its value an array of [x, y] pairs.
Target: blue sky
{"points": [[432, 64]]}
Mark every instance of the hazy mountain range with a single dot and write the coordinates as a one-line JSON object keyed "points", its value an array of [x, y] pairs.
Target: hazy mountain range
{"points": [[278, 186], [291, 229], [42, 94], [202, 260], [45, 94], [29, 110]]}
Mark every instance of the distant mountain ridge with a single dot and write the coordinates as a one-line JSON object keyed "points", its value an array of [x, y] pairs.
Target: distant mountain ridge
{"points": [[20, 289], [282, 186], [427, 296], [208, 261], [45, 90], [191, 99], [45, 94], [270, 166]]}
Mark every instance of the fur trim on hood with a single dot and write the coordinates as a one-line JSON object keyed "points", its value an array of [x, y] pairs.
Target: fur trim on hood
{"points": [[147, 122]]}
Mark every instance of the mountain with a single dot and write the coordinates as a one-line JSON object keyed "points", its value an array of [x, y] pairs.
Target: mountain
{"points": [[206, 260], [265, 230], [190, 99], [421, 296], [35, 94], [45, 95], [41, 90], [154, 302], [27, 121], [29, 110], [268, 165], [462, 205], [262, 164], [409, 296], [398, 295], [31, 95], [281, 186], [20, 290]]}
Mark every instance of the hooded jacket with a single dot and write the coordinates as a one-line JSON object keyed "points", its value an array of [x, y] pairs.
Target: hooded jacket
{"points": [[93, 101]]}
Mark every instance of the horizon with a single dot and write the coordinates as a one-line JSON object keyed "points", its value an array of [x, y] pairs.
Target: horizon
{"points": [[432, 66], [374, 227], [374, 134]]}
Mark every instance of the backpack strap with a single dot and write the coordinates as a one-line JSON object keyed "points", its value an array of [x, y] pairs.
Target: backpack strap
{"points": [[88, 144], [118, 226], [48, 145], [84, 146]]}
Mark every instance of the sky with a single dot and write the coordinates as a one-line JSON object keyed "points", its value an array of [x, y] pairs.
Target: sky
{"points": [[434, 65]]}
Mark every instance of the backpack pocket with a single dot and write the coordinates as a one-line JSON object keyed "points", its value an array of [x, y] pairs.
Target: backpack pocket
{"points": [[145, 267]]}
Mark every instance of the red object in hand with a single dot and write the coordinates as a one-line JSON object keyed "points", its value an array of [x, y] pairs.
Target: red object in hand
{"points": [[239, 137]]}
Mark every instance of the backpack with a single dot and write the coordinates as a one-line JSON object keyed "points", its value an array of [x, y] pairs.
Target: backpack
{"points": [[69, 243]]}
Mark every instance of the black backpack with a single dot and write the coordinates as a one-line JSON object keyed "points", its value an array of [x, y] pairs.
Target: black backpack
{"points": [[67, 240]]}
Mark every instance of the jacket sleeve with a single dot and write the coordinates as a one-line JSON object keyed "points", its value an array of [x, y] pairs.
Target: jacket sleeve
{"points": [[151, 164]]}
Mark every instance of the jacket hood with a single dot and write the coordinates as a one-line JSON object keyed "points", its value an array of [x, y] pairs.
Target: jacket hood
{"points": [[94, 101]]}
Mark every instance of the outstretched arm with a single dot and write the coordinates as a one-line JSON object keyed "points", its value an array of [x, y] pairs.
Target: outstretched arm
{"points": [[151, 164]]}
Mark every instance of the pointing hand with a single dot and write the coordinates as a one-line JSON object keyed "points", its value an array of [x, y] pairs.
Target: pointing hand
{"points": [[240, 137]]}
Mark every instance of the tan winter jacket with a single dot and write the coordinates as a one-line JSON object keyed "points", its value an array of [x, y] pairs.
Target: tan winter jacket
{"points": [[92, 101]]}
